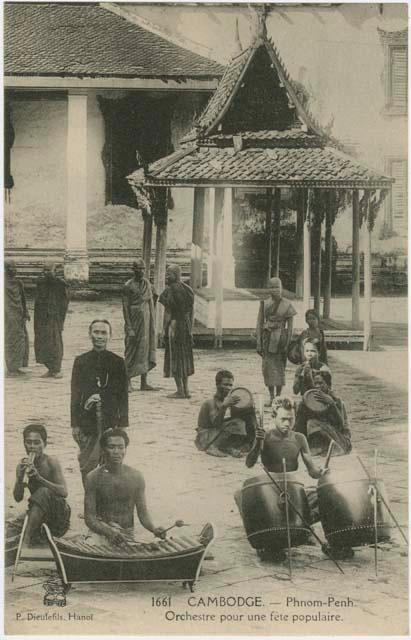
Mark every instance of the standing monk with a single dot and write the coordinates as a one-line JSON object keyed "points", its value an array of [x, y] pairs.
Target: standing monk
{"points": [[274, 332], [178, 300], [99, 396], [50, 308], [139, 326], [16, 347]]}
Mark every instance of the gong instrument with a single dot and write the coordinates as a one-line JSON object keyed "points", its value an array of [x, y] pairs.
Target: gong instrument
{"points": [[171, 560], [347, 510], [316, 405], [264, 513], [246, 401]]}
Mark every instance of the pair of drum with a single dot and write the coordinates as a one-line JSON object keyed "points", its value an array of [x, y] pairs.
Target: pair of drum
{"points": [[346, 512]]}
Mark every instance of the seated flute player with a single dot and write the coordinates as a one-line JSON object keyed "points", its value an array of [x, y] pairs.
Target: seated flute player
{"points": [[280, 443], [219, 434], [113, 491], [329, 424], [43, 476]]}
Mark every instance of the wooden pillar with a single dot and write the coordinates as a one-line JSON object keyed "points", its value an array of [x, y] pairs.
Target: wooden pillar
{"points": [[76, 265], [355, 260], [328, 259], [307, 255], [147, 240], [228, 257], [316, 249], [211, 235], [367, 279], [160, 266], [299, 275], [269, 233], [218, 256], [276, 232], [196, 279]]}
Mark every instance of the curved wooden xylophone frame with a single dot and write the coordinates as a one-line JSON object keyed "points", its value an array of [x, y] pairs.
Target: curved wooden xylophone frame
{"points": [[174, 560]]}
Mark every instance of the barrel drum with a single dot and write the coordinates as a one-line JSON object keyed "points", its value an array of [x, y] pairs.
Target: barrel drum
{"points": [[264, 516], [347, 511]]}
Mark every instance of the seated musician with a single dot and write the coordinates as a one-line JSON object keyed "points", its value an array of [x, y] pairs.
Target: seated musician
{"points": [[112, 492], [303, 378], [331, 424], [219, 434], [282, 442], [43, 476]]}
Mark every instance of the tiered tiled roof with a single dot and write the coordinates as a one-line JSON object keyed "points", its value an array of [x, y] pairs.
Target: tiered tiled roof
{"points": [[255, 132], [70, 39], [299, 167]]}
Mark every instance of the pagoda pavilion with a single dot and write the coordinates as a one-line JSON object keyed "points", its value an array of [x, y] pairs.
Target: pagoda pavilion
{"points": [[256, 132]]}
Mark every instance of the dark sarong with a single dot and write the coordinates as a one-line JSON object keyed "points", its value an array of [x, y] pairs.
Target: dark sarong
{"points": [[16, 347], [138, 310], [178, 300], [50, 310], [56, 510]]}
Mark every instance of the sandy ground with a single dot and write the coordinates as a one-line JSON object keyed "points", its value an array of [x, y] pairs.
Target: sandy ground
{"points": [[184, 483]]}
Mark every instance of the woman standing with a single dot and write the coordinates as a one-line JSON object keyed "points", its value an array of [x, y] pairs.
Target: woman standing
{"points": [[274, 332]]}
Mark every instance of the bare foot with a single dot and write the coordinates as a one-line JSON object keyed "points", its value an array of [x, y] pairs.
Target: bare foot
{"points": [[47, 374], [213, 451], [147, 387], [176, 396], [58, 375]]}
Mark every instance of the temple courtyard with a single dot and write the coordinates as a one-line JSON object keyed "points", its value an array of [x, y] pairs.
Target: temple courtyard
{"points": [[183, 483]]}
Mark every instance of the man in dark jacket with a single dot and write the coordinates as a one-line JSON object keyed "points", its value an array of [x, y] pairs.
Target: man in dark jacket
{"points": [[50, 308], [99, 396]]}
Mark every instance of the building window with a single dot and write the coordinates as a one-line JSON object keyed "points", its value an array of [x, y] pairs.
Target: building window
{"points": [[397, 205], [395, 45]]}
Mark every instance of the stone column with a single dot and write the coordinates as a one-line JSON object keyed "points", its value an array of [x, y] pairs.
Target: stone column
{"points": [[76, 264]]}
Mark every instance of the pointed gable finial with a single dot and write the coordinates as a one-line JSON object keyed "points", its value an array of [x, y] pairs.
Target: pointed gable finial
{"points": [[262, 11], [237, 42]]}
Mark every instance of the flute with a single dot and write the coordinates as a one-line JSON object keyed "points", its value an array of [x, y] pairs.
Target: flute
{"points": [[32, 456]]}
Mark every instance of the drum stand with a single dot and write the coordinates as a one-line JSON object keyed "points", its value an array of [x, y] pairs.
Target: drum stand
{"points": [[289, 502], [377, 496]]}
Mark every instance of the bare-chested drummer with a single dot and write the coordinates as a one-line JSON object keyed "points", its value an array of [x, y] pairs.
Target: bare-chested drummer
{"points": [[219, 434], [112, 492], [282, 443]]}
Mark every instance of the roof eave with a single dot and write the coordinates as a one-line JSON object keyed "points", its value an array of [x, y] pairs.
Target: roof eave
{"points": [[151, 181]]}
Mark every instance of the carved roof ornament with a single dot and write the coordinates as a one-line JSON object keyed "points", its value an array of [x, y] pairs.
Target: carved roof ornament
{"points": [[261, 11]]}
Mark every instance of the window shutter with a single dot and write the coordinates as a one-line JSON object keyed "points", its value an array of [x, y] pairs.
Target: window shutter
{"points": [[399, 77], [399, 195]]}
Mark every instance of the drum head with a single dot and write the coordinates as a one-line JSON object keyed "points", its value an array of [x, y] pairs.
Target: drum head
{"points": [[246, 398], [313, 403]]}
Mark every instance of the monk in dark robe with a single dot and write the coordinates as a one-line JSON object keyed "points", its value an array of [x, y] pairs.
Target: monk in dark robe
{"points": [[16, 343], [178, 301], [50, 308], [139, 326], [99, 396], [274, 332]]}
